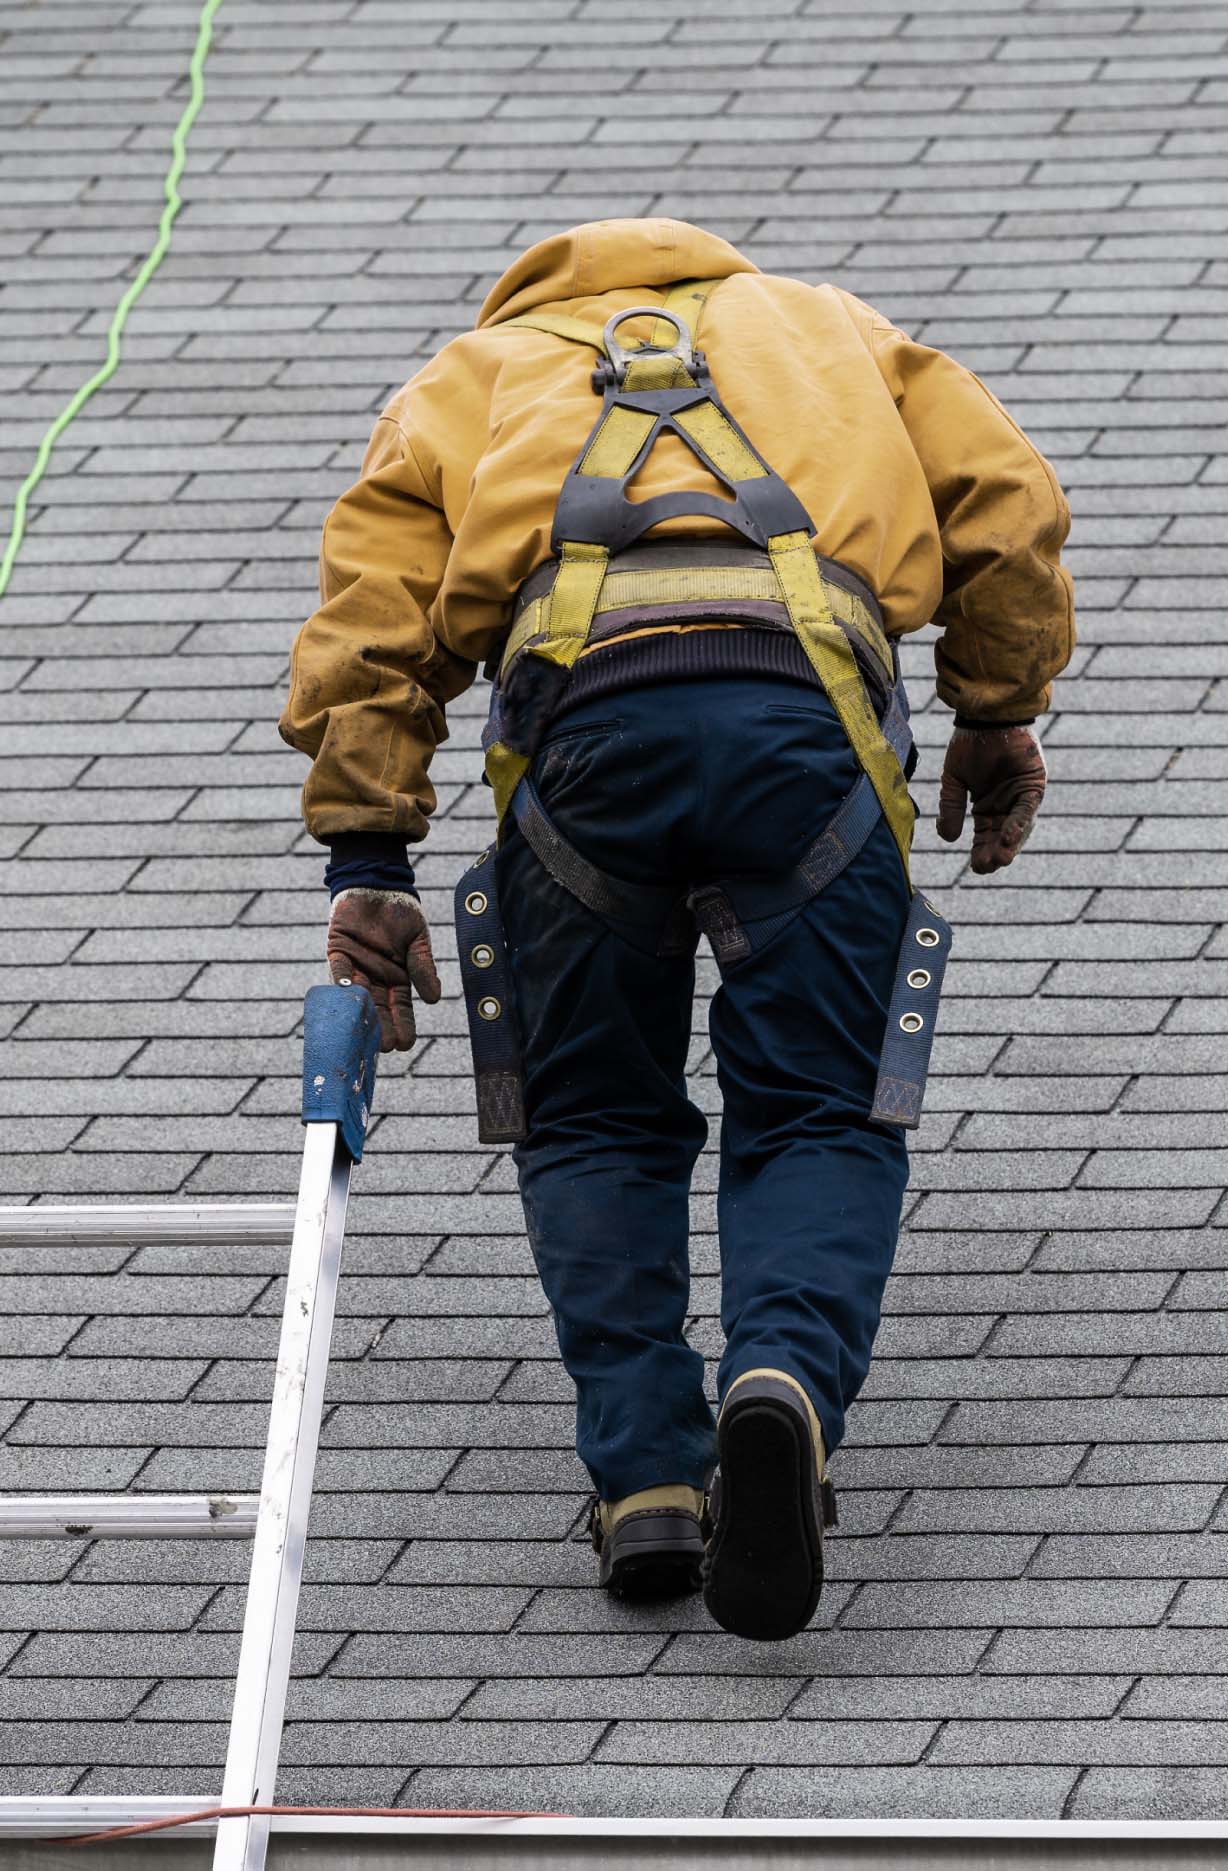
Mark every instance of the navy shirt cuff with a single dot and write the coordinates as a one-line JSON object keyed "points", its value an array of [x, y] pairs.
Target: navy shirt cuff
{"points": [[970, 721], [369, 861]]}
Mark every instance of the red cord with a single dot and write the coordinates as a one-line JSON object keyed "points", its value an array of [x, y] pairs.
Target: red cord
{"points": [[317, 1812]]}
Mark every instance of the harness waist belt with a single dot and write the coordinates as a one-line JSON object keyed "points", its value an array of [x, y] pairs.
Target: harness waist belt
{"points": [[695, 582]]}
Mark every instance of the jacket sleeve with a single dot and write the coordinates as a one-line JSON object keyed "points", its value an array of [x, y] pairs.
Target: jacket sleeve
{"points": [[1007, 608], [368, 678]]}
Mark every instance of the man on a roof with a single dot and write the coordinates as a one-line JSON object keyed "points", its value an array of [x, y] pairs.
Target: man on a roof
{"points": [[685, 544]]}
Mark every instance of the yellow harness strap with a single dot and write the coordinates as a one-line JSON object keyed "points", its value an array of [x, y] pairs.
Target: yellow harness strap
{"points": [[559, 326], [831, 657]]}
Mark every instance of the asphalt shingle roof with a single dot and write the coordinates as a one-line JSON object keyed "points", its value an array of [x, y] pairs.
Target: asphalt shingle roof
{"points": [[1026, 1616]]}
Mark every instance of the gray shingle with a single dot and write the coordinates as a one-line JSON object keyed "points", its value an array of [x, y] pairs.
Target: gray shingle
{"points": [[42, 1470], [966, 1698], [1160, 1419], [1162, 1652], [1135, 1555], [1030, 1603], [1196, 1604], [813, 1742], [937, 1792], [322, 1699], [580, 1654], [944, 1556], [1028, 1376], [1167, 1333], [644, 1698], [387, 1608], [1115, 1463], [1083, 1743], [1183, 1793], [589, 1790], [1174, 1248], [103, 1608]]}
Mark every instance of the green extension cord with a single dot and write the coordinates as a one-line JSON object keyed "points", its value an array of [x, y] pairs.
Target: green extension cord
{"points": [[119, 318]]}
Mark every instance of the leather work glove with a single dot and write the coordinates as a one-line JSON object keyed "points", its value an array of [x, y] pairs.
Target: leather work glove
{"points": [[378, 939], [1003, 769]]}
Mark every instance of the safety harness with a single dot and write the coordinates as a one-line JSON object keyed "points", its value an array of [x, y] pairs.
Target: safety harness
{"points": [[778, 583]]}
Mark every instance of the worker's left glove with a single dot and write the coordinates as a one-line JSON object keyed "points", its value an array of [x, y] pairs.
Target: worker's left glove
{"points": [[1002, 769], [379, 940]]}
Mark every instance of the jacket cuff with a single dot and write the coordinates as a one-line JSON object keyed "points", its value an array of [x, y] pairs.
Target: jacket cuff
{"points": [[970, 721], [369, 861]]}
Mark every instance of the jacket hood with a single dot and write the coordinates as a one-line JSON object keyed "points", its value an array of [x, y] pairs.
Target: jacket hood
{"points": [[601, 256]]}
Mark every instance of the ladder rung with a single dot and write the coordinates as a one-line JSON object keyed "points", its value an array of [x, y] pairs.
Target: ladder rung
{"points": [[254, 1223], [128, 1516], [52, 1815]]}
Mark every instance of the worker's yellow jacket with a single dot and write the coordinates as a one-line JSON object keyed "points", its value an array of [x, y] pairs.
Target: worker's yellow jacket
{"points": [[914, 476]]}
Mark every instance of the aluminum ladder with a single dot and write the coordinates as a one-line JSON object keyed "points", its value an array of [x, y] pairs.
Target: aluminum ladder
{"points": [[340, 1047]]}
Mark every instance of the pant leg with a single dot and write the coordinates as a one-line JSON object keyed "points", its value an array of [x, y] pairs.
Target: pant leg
{"points": [[810, 1190], [605, 1170]]}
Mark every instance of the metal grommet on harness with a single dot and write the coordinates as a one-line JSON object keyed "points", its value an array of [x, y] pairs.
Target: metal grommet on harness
{"points": [[910, 1020], [493, 1031]]}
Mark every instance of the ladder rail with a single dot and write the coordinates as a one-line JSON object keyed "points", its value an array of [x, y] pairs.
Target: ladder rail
{"points": [[270, 1615], [128, 1516], [144, 1224]]}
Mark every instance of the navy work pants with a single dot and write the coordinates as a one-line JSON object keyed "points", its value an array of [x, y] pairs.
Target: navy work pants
{"points": [[685, 783]]}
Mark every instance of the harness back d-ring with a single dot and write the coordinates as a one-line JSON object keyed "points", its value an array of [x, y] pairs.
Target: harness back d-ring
{"points": [[615, 369]]}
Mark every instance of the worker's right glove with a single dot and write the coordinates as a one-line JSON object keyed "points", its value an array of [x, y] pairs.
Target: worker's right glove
{"points": [[1003, 770], [379, 940]]}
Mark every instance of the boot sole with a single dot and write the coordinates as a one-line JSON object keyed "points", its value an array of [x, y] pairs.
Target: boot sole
{"points": [[654, 1555], [764, 1568], [647, 1575]]}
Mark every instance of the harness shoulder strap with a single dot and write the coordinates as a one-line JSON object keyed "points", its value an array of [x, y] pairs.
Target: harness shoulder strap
{"points": [[830, 655], [558, 325]]}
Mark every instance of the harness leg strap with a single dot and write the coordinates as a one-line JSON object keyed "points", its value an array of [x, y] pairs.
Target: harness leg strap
{"points": [[486, 979], [905, 1058]]}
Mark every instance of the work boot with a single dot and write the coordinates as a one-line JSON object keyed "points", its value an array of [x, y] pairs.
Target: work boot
{"points": [[651, 1544], [763, 1569]]}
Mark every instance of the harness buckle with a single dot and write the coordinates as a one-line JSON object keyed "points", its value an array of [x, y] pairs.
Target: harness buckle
{"points": [[717, 917], [607, 377]]}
